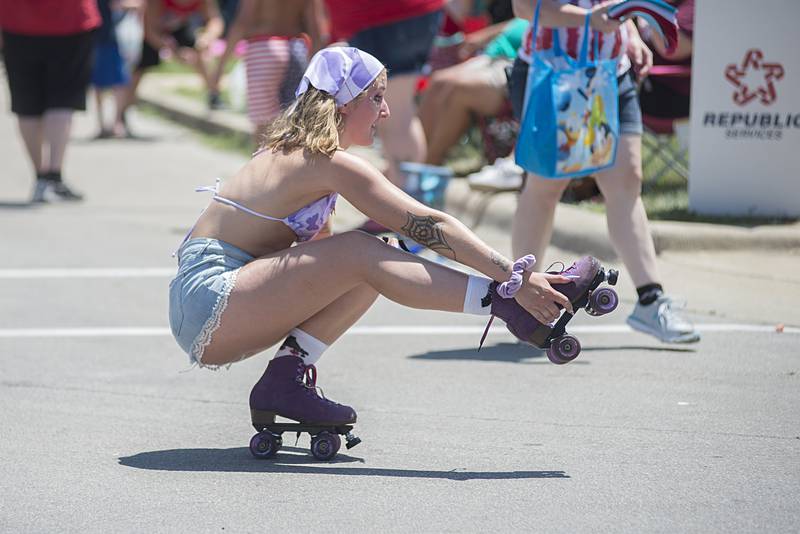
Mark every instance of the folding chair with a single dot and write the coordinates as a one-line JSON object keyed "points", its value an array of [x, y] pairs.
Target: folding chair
{"points": [[664, 140]]}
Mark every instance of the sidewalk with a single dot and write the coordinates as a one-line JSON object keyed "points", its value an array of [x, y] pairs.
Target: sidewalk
{"points": [[575, 228]]}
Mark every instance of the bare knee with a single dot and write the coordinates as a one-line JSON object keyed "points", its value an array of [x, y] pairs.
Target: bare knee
{"points": [[620, 185], [543, 191]]}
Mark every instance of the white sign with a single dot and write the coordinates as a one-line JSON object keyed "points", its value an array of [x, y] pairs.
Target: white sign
{"points": [[745, 116]]}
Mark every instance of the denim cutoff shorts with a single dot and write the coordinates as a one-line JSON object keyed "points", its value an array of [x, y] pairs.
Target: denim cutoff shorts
{"points": [[630, 114], [207, 270]]}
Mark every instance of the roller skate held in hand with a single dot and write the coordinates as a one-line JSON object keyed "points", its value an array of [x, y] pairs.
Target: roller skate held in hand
{"points": [[582, 290]]}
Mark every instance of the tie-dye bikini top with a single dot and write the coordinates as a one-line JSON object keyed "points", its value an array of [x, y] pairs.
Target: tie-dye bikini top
{"points": [[305, 222]]}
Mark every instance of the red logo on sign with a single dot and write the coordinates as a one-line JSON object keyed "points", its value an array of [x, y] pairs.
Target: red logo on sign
{"points": [[754, 70]]}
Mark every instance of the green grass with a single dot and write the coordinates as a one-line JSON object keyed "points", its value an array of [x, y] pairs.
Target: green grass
{"points": [[171, 66], [231, 143], [198, 93]]}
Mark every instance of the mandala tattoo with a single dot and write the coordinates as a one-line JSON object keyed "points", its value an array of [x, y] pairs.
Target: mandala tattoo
{"points": [[426, 231], [500, 262]]}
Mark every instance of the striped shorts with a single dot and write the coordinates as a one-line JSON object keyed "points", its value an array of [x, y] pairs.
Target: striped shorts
{"points": [[275, 66]]}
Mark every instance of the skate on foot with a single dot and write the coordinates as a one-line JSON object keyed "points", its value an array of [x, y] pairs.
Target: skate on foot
{"points": [[288, 389]]}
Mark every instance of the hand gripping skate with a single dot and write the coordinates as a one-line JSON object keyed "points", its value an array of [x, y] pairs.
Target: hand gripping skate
{"points": [[583, 291]]}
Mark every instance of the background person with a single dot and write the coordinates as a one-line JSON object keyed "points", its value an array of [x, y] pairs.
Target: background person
{"points": [[280, 35], [620, 185], [168, 26], [400, 33], [48, 54]]}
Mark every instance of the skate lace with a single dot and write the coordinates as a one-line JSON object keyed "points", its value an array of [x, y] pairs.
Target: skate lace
{"points": [[309, 380]]}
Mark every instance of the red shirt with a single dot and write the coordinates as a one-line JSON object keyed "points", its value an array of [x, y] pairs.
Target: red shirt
{"points": [[348, 17], [49, 17]]}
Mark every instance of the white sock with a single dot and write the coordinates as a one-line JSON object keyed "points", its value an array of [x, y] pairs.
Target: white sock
{"points": [[301, 345], [477, 300]]}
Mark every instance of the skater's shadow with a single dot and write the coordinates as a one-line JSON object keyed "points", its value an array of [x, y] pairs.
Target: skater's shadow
{"points": [[126, 139], [297, 460], [501, 352], [644, 348], [20, 205], [520, 353]]}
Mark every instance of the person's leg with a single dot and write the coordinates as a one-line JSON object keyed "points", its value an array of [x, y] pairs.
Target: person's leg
{"points": [[335, 319], [628, 226], [130, 95], [30, 129], [532, 225], [57, 124], [434, 98], [277, 293], [402, 134], [101, 122], [467, 95], [119, 129]]}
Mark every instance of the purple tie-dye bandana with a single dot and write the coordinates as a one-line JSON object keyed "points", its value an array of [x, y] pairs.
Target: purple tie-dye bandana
{"points": [[341, 71]]}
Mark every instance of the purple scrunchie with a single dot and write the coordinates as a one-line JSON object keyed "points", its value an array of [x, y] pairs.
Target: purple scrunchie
{"points": [[508, 289]]}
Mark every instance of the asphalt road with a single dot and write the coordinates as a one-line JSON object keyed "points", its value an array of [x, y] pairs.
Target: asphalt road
{"points": [[103, 427]]}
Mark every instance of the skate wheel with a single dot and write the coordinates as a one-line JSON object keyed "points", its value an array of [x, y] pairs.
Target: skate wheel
{"points": [[325, 445], [265, 444], [603, 301], [564, 349]]}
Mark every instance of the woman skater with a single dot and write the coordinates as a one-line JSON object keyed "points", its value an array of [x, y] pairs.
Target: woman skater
{"points": [[242, 286]]}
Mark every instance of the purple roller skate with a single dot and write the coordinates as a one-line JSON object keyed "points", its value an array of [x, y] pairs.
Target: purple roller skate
{"points": [[288, 389], [586, 275]]}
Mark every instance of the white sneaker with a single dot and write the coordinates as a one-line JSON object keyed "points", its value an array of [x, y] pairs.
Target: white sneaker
{"points": [[503, 174], [660, 319], [42, 191]]}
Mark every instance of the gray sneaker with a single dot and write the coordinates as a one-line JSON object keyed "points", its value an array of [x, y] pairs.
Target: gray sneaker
{"points": [[660, 319], [41, 191]]}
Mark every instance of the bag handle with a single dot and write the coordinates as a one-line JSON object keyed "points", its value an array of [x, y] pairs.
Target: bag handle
{"points": [[587, 35], [535, 30]]}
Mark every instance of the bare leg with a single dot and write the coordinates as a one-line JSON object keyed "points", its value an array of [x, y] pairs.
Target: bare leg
{"points": [[458, 96], [120, 99], [532, 226], [57, 124], [337, 318], [98, 99], [30, 128], [627, 222], [294, 287], [402, 134], [130, 93]]}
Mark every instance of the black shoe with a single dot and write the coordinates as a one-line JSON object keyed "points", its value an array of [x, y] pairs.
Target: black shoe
{"points": [[215, 101], [65, 193]]}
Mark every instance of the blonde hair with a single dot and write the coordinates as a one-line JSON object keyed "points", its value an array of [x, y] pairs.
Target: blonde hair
{"points": [[312, 122]]}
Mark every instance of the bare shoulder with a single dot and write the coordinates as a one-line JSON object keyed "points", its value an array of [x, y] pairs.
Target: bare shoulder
{"points": [[344, 164]]}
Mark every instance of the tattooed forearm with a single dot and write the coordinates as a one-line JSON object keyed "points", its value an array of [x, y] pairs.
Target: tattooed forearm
{"points": [[426, 231], [501, 262]]}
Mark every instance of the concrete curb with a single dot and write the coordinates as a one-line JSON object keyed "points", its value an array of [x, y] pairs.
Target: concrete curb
{"points": [[575, 228]]}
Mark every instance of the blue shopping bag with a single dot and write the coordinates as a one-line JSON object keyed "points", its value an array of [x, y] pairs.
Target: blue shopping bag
{"points": [[570, 120]]}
